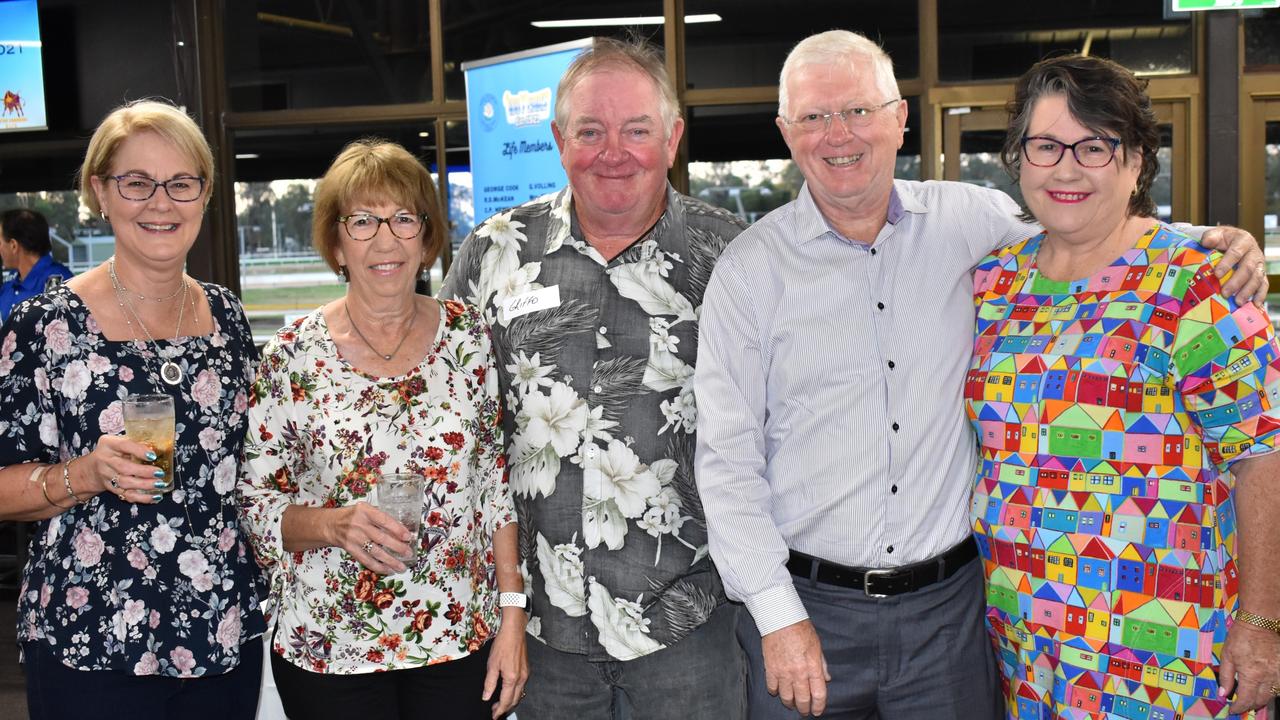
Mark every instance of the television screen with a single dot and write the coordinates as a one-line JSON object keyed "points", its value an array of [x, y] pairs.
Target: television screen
{"points": [[21, 73]]}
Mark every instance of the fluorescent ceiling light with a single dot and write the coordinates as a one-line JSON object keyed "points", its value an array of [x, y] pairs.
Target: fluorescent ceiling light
{"points": [[246, 156], [634, 20]]}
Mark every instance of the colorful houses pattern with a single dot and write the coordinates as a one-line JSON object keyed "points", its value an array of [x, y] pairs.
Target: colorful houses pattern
{"points": [[1107, 409]]}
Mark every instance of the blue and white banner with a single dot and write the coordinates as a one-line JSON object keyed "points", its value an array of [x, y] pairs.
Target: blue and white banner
{"points": [[21, 74], [510, 104]]}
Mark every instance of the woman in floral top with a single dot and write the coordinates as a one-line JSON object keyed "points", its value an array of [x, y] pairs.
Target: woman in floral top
{"points": [[137, 582], [384, 380]]}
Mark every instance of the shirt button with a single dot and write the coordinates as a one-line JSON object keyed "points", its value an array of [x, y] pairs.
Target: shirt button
{"points": [[873, 251], [889, 549], [603, 329], [895, 427], [894, 489], [879, 306], [597, 389], [890, 364]]}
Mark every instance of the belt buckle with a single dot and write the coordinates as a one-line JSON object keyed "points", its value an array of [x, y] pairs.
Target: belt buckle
{"points": [[866, 581]]}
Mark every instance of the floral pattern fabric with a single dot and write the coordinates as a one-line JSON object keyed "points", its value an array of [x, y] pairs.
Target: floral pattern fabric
{"points": [[166, 589], [598, 390], [321, 433], [1108, 410]]}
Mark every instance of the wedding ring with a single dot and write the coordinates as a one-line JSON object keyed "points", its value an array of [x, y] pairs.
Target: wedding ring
{"points": [[1262, 267], [1275, 690], [113, 482], [368, 546]]}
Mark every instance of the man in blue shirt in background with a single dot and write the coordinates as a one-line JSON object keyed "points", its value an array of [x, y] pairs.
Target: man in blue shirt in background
{"points": [[29, 268]]}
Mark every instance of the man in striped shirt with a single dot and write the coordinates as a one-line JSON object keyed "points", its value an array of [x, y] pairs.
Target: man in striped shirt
{"points": [[834, 458]]}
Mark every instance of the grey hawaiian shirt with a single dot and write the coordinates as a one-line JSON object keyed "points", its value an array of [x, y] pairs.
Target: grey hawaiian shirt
{"points": [[595, 360]]}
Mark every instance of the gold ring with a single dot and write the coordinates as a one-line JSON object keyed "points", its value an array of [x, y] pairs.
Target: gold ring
{"points": [[1275, 690]]}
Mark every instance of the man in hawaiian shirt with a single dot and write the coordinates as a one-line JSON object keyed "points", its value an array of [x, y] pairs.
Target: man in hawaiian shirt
{"points": [[593, 294], [834, 457]]}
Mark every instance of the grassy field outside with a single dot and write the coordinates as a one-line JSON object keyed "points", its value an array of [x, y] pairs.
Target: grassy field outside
{"points": [[291, 298]]}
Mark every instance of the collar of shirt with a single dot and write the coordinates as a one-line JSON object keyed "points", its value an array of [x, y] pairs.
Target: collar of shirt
{"points": [[653, 238], [35, 276], [811, 224]]}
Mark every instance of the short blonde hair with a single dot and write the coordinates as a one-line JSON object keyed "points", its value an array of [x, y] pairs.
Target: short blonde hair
{"points": [[610, 54], [367, 169], [835, 47], [158, 116]]}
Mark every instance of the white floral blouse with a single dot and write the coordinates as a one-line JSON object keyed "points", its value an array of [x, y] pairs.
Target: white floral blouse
{"points": [[320, 434], [165, 589]]}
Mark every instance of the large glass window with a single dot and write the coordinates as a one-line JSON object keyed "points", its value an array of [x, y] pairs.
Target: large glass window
{"points": [[1262, 41], [302, 54], [478, 29], [462, 210], [78, 239], [742, 43], [739, 161], [281, 275], [996, 39]]}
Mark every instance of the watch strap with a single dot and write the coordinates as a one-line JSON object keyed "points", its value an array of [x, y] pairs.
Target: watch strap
{"points": [[513, 599]]}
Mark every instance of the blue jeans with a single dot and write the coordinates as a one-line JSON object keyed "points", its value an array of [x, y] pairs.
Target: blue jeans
{"points": [[702, 676], [918, 656], [56, 692]]}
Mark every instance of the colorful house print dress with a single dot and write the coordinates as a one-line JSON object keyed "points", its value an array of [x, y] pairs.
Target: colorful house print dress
{"points": [[1107, 410]]}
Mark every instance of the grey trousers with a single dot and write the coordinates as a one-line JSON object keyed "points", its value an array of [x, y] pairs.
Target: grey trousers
{"points": [[920, 655], [702, 677]]}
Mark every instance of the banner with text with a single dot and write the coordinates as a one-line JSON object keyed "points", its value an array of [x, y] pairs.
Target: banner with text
{"points": [[510, 105]]}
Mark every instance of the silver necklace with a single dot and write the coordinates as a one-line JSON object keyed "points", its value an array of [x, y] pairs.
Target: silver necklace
{"points": [[384, 356], [166, 298], [170, 371], [172, 374]]}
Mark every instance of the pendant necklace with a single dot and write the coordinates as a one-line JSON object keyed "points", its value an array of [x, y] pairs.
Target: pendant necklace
{"points": [[347, 306], [170, 371]]}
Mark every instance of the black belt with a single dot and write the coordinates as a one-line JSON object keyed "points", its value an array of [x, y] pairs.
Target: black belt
{"points": [[878, 583]]}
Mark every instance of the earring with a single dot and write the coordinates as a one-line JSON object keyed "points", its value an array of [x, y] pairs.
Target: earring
{"points": [[342, 272], [103, 213]]}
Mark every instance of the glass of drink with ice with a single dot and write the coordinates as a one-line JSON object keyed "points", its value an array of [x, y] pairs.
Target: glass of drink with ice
{"points": [[148, 419], [401, 495]]}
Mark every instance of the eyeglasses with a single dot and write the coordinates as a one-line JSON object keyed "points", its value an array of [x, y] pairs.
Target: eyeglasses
{"points": [[363, 226], [849, 117], [184, 188], [1094, 152]]}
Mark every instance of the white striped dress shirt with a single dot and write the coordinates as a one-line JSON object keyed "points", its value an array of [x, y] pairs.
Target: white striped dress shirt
{"points": [[829, 382]]}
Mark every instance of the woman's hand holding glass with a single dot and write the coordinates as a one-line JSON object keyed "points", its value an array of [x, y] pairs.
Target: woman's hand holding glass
{"points": [[118, 465], [372, 537]]}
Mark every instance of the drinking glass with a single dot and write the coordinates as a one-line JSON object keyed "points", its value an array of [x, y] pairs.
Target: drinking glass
{"points": [[402, 496], [148, 419]]}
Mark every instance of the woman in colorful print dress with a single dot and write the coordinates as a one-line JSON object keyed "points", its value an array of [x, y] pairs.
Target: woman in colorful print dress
{"points": [[384, 380], [1112, 387], [140, 598]]}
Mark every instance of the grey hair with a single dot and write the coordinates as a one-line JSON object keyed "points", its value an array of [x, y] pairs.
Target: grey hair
{"points": [[834, 47], [610, 54]]}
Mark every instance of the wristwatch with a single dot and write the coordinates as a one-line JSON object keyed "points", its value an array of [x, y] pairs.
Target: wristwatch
{"points": [[513, 599]]}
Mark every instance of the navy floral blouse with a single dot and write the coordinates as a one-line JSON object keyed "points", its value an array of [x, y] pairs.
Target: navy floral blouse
{"points": [[166, 589]]}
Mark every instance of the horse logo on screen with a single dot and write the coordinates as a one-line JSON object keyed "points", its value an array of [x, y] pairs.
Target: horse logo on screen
{"points": [[12, 104]]}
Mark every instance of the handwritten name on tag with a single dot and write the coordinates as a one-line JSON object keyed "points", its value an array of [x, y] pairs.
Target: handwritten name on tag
{"points": [[531, 302]]}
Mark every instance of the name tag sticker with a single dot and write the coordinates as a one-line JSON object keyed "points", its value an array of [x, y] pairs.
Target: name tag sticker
{"points": [[526, 303]]}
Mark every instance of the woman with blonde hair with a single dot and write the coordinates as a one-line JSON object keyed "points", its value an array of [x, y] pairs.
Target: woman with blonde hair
{"points": [[139, 599]]}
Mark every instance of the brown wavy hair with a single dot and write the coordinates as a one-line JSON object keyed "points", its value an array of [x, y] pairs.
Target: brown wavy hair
{"points": [[1101, 95]]}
